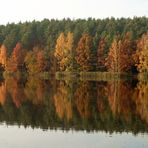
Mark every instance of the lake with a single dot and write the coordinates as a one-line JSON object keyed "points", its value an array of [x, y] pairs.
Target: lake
{"points": [[38, 113]]}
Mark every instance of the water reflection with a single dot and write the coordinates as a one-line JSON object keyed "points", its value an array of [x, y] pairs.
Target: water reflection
{"points": [[63, 102], [113, 106], [141, 100]]}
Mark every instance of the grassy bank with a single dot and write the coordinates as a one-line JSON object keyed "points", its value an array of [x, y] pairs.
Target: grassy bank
{"points": [[83, 76], [18, 74], [93, 76]]}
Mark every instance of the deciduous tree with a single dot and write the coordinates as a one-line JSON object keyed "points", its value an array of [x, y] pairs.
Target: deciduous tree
{"points": [[3, 55], [30, 61], [43, 61], [16, 61], [84, 53], [141, 55], [101, 55], [64, 51], [120, 55]]}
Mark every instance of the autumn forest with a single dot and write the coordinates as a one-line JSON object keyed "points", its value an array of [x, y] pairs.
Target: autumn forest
{"points": [[75, 75], [107, 45]]}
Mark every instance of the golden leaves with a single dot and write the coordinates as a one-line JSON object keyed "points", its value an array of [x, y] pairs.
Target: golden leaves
{"points": [[63, 50], [141, 55]]}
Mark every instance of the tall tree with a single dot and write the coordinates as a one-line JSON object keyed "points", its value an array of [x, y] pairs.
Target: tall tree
{"points": [[141, 55], [43, 61], [71, 64], [101, 55], [63, 51], [120, 53], [16, 61], [84, 53], [31, 61], [3, 55]]}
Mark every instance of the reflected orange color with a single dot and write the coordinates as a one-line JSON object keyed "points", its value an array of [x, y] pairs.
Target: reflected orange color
{"points": [[2, 93], [3, 55], [82, 100], [113, 96], [101, 94], [16, 90], [40, 95], [62, 102], [35, 91], [141, 100], [120, 99]]}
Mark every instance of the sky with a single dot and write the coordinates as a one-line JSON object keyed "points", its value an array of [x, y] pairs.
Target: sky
{"points": [[28, 10]]}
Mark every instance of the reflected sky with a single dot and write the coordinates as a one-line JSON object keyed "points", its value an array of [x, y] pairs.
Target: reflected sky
{"points": [[13, 136]]}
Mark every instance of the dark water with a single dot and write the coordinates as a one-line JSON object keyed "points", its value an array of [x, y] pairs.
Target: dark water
{"points": [[39, 113]]}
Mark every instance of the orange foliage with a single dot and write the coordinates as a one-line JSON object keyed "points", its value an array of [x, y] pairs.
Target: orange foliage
{"points": [[84, 53], [42, 63], [120, 53], [2, 93], [3, 55], [16, 61], [101, 54]]}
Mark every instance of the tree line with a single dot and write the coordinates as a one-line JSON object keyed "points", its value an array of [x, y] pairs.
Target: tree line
{"points": [[114, 45]]}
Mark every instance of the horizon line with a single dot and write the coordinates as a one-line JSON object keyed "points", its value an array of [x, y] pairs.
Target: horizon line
{"points": [[72, 19]]}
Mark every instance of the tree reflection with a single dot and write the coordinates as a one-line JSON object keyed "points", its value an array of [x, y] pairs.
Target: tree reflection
{"points": [[102, 101], [83, 96], [2, 93], [35, 90], [62, 102], [108, 106], [141, 100], [16, 89], [120, 99], [101, 97]]}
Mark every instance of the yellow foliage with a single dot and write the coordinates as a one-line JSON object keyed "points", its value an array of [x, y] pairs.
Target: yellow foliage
{"points": [[141, 55], [3, 55], [63, 50]]}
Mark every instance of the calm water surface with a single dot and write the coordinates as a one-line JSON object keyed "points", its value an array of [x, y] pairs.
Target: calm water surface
{"points": [[39, 113]]}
